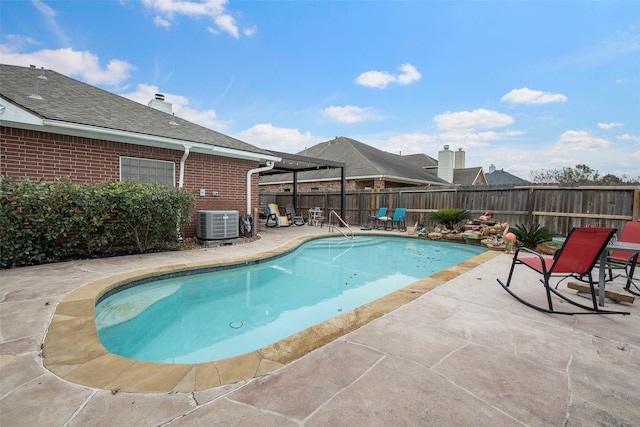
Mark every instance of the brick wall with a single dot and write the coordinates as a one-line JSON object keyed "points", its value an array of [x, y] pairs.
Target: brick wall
{"points": [[36, 155]]}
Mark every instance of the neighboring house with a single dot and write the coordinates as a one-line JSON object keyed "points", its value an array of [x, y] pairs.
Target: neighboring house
{"points": [[366, 167], [450, 166], [500, 177], [53, 126], [370, 168]]}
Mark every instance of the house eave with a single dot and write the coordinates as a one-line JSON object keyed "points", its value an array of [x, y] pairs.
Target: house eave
{"points": [[80, 130], [403, 180]]}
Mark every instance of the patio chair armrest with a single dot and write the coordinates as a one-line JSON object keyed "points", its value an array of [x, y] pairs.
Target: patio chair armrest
{"points": [[524, 248], [543, 264]]}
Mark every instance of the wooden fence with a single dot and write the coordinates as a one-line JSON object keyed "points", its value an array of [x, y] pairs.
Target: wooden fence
{"points": [[559, 208]]}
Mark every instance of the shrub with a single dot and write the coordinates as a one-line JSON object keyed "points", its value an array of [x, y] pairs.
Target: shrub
{"points": [[450, 217], [532, 236], [49, 221]]}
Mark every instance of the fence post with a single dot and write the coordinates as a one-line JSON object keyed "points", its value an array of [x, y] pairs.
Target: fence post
{"points": [[530, 199]]}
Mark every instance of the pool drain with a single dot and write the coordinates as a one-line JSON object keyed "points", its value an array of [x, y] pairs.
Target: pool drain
{"points": [[236, 325]]}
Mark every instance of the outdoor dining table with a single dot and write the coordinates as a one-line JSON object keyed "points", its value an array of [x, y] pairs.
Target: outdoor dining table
{"points": [[617, 246]]}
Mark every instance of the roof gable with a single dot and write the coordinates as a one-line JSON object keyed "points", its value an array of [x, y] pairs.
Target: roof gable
{"points": [[469, 176], [362, 161], [421, 160], [500, 177]]}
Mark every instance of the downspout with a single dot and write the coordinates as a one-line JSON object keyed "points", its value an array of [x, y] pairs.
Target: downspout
{"points": [[182, 160], [269, 166], [180, 184]]}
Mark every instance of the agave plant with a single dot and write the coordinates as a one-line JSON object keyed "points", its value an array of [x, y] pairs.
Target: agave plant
{"points": [[532, 236], [449, 217]]}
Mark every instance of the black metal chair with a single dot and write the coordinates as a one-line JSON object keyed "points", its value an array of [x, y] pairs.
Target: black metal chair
{"points": [[293, 217]]}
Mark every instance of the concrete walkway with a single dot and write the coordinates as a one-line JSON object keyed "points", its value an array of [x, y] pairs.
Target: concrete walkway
{"points": [[465, 353]]}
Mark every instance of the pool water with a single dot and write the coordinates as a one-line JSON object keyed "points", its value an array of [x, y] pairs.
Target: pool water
{"points": [[205, 317]]}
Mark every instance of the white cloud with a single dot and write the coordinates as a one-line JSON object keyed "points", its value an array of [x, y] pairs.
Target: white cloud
{"points": [[249, 31], [475, 139], [14, 43], [161, 22], [180, 106], [413, 143], [280, 139], [409, 74], [49, 15], [381, 79], [349, 113], [82, 64], [609, 125], [471, 120], [227, 24], [529, 96], [627, 137], [213, 9], [579, 141]]}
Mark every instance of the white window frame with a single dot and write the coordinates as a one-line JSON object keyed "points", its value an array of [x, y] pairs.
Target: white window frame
{"points": [[144, 170]]}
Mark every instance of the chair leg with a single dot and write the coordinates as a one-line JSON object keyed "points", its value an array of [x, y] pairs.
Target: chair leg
{"points": [[587, 310], [513, 264], [547, 288], [630, 270], [275, 221]]}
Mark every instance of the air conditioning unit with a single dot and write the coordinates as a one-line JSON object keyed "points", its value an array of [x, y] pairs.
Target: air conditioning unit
{"points": [[217, 225]]}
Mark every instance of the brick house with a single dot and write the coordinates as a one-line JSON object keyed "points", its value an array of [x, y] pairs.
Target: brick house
{"points": [[53, 126], [368, 168]]}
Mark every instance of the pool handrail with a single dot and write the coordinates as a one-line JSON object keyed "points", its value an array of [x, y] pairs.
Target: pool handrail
{"points": [[333, 226]]}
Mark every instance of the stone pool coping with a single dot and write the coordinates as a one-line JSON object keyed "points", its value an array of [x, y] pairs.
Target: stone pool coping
{"points": [[73, 351]]}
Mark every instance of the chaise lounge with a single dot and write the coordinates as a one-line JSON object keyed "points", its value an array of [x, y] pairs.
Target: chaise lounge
{"points": [[274, 218]]}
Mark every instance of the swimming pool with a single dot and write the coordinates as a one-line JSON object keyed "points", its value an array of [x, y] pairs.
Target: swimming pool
{"points": [[209, 316]]}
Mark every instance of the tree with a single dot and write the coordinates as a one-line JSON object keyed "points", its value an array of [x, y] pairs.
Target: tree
{"points": [[581, 174]]}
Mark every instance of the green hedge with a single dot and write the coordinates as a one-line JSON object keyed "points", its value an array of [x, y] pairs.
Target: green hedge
{"points": [[49, 221]]}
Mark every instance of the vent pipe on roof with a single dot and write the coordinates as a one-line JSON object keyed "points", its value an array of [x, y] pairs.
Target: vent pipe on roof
{"points": [[160, 104]]}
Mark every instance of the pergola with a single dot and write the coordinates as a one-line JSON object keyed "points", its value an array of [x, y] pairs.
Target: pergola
{"points": [[296, 163]]}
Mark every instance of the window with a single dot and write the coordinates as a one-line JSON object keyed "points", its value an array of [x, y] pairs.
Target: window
{"points": [[146, 171], [314, 189]]}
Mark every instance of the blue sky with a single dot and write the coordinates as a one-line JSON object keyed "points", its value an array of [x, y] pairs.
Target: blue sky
{"points": [[523, 85]]}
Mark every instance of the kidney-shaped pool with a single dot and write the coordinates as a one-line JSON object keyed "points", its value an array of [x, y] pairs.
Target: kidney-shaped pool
{"points": [[201, 317]]}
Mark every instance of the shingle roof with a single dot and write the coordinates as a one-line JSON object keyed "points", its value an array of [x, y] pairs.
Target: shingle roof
{"points": [[467, 176], [67, 100], [421, 160], [500, 177], [361, 160]]}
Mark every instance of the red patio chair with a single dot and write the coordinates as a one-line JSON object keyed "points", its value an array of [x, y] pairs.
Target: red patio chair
{"points": [[577, 257]]}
